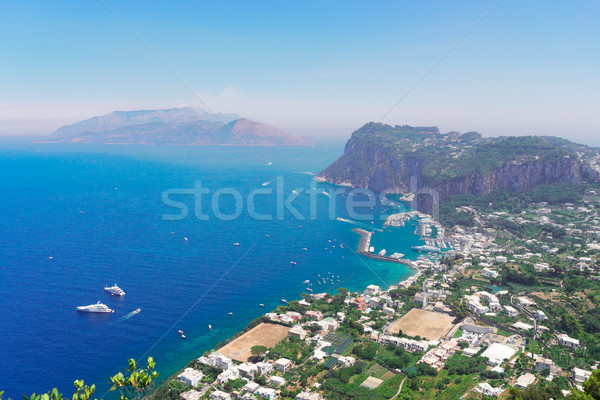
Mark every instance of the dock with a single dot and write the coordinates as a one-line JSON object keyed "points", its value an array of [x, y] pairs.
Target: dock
{"points": [[365, 243]]}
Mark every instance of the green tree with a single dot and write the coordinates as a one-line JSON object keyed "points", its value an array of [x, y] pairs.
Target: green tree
{"points": [[139, 384], [591, 389], [258, 350]]}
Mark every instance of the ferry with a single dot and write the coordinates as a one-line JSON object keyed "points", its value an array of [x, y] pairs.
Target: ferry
{"points": [[114, 290], [95, 308]]}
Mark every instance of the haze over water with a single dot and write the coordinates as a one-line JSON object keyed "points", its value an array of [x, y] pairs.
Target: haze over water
{"points": [[97, 212]]}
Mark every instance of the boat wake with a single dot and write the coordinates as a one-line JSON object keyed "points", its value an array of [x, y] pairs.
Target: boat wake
{"points": [[131, 314], [355, 223]]}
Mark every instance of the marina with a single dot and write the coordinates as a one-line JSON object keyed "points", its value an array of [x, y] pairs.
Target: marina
{"points": [[365, 245]]}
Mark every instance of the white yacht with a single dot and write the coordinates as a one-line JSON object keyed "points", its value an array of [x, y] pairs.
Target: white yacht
{"points": [[95, 308], [114, 290]]}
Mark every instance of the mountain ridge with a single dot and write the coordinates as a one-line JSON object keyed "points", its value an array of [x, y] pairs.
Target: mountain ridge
{"points": [[174, 126]]}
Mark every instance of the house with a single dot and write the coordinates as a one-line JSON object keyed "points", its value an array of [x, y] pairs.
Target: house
{"points": [[266, 393], [247, 370], [541, 267], [217, 360], [360, 303], [277, 380], [490, 273], [372, 289], [329, 324], [421, 298], [474, 304], [511, 311], [297, 332], [312, 314], [251, 387], [191, 395], [581, 375], [524, 381], [565, 340], [229, 374], [346, 361], [543, 363], [540, 315], [488, 390], [263, 367], [190, 376], [309, 396], [219, 395], [283, 364], [293, 315]]}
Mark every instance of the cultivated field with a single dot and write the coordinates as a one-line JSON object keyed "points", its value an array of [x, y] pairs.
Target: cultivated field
{"points": [[426, 324], [262, 335]]}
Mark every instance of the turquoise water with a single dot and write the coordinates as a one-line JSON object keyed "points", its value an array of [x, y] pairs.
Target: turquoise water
{"points": [[97, 211]]}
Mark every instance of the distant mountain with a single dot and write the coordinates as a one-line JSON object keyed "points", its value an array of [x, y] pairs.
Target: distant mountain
{"points": [[174, 126]]}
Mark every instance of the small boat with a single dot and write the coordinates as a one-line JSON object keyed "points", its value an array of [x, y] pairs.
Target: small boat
{"points": [[180, 332], [306, 281], [183, 336], [305, 249], [236, 244], [261, 304], [230, 313], [295, 191], [293, 262], [185, 238], [284, 301], [209, 326], [269, 163]]}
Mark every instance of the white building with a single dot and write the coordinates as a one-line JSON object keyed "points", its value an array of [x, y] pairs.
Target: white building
{"points": [[191, 395], [540, 315], [266, 393], [297, 332], [283, 364], [510, 311], [565, 340], [309, 396], [543, 363], [217, 360], [487, 390], [190, 376], [524, 381], [475, 305], [372, 289], [277, 380], [219, 395], [581, 375], [490, 273], [541, 267]]}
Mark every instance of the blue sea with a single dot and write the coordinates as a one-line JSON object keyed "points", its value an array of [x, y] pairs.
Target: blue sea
{"points": [[77, 217]]}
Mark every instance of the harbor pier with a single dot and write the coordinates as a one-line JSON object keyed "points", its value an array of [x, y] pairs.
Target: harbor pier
{"points": [[365, 243]]}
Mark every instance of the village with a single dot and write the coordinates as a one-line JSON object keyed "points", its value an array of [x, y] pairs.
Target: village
{"points": [[511, 307]]}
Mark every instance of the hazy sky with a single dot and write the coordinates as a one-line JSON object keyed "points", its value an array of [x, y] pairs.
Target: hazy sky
{"points": [[311, 68]]}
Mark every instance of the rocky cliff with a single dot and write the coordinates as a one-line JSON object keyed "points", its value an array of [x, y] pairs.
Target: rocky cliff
{"points": [[404, 159]]}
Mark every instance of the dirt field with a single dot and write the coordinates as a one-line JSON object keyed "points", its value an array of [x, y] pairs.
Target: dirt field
{"points": [[426, 324], [262, 335]]}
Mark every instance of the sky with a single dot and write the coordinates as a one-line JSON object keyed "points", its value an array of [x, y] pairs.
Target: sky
{"points": [[312, 68]]}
